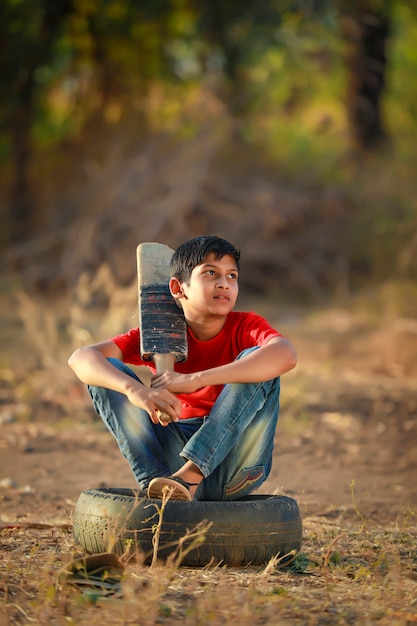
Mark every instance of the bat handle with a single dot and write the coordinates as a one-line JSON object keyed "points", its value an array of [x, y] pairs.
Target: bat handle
{"points": [[164, 362]]}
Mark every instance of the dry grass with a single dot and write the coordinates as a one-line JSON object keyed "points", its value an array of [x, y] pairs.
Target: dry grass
{"points": [[344, 575], [350, 571]]}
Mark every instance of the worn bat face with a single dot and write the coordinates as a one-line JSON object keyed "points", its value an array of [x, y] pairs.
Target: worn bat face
{"points": [[161, 322]]}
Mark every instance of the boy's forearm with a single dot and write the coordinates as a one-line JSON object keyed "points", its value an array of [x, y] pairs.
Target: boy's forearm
{"points": [[260, 365], [92, 368]]}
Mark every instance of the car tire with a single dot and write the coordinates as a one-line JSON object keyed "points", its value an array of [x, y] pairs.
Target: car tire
{"points": [[251, 530]]}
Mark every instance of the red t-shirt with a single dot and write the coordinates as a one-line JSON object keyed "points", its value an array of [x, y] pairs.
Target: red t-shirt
{"points": [[242, 330]]}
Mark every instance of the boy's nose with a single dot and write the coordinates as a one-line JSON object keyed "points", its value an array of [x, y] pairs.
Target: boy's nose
{"points": [[222, 283]]}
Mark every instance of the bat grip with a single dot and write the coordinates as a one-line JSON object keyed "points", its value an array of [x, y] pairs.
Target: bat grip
{"points": [[164, 362]]}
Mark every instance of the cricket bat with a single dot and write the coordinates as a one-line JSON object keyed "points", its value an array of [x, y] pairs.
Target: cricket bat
{"points": [[163, 331]]}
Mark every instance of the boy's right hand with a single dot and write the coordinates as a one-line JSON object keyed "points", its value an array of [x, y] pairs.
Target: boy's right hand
{"points": [[155, 402]]}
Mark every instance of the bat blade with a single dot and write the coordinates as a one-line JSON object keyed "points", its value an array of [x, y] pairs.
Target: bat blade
{"points": [[162, 324]]}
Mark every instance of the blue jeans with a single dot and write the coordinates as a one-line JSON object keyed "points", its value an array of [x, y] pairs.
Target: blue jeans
{"points": [[232, 446]]}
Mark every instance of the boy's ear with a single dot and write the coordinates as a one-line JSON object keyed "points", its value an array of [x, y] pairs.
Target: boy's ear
{"points": [[175, 288]]}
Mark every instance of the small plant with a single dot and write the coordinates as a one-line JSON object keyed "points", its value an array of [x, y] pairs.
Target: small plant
{"points": [[355, 506]]}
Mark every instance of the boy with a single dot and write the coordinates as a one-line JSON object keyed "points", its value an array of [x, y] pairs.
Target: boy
{"points": [[223, 401]]}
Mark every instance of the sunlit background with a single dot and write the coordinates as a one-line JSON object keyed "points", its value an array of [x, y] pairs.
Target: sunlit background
{"points": [[287, 127]]}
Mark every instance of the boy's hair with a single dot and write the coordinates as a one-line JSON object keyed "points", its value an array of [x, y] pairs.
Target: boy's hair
{"points": [[193, 252]]}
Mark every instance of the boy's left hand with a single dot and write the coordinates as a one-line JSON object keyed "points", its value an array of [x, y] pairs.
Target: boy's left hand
{"points": [[174, 382]]}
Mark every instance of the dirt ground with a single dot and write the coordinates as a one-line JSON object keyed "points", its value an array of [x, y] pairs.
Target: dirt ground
{"points": [[346, 443]]}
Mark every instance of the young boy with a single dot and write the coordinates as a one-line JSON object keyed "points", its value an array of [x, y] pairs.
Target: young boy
{"points": [[223, 400]]}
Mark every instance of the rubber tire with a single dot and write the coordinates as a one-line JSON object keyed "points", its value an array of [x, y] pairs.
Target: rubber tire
{"points": [[247, 531]]}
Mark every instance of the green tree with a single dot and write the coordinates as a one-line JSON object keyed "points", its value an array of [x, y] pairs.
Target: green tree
{"points": [[366, 27], [97, 51], [28, 31], [94, 50]]}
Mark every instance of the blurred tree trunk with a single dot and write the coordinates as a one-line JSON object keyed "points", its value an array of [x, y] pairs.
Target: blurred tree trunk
{"points": [[221, 24], [218, 26], [367, 33], [21, 205], [25, 47]]}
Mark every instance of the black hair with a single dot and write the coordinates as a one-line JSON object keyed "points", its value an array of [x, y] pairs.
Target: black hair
{"points": [[193, 252]]}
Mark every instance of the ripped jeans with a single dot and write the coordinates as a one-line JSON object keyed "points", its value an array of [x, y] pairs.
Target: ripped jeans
{"points": [[232, 446]]}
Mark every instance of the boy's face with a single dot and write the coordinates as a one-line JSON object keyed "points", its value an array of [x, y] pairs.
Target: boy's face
{"points": [[212, 290]]}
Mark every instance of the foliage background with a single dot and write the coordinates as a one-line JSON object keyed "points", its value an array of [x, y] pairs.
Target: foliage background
{"points": [[286, 127]]}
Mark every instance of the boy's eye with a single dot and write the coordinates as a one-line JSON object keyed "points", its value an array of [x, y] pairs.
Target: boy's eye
{"points": [[230, 276]]}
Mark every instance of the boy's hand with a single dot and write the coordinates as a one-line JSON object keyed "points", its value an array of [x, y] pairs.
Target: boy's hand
{"points": [[174, 382], [155, 402]]}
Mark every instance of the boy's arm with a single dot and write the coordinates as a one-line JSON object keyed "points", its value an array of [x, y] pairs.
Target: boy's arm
{"points": [[265, 363], [91, 366]]}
